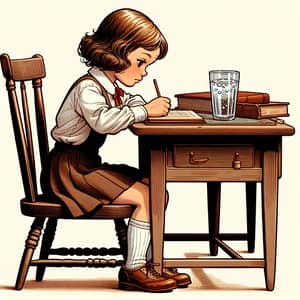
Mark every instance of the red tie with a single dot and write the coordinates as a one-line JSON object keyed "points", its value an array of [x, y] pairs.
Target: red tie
{"points": [[117, 96]]}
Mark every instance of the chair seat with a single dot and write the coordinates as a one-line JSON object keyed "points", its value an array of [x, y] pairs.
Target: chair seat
{"points": [[44, 208]]}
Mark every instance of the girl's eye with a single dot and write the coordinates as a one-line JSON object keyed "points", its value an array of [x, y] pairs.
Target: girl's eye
{"points": [[140, 62]]}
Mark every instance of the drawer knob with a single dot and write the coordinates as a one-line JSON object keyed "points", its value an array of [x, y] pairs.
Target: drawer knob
{"points": [[236, 164], [199, 161]]}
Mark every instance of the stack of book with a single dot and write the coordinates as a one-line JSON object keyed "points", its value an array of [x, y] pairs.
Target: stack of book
{"points": [[253, 105]]}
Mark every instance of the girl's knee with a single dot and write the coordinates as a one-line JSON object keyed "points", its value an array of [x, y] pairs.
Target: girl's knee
{"points": [[142, 195]]}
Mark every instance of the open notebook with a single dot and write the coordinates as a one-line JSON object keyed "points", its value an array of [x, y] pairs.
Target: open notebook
{"points": [[177, 116]]}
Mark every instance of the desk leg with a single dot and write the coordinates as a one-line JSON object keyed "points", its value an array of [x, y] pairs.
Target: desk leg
{"points": [[251, 214], [269, 209], [213, 205], [144, 156], [157, 204]]}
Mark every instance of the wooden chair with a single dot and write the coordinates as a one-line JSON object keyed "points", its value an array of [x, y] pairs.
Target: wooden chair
{"points": [[38, 205]]}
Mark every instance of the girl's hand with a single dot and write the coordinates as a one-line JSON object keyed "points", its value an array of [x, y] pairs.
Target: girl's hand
{"points": [[158, 107]]}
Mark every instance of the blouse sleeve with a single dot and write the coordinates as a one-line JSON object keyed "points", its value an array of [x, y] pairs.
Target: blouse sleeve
{"points": [[91, 105]]}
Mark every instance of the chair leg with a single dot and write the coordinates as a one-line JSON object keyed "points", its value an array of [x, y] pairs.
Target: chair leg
{"points": [[251, 214], [30, 245], [213, 205], [47, 241], [121, 231]]}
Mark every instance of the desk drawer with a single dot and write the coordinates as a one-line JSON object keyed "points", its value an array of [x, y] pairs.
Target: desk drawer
{"points": [[214, 156]]}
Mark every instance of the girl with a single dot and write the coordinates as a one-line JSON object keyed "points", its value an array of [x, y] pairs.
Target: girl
{"points": [[121, 49]]}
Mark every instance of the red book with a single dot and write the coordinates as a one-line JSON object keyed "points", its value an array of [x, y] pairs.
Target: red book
{"points": [[243, 96]]}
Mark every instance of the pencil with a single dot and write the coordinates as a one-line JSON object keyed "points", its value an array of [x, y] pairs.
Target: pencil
{"points": [[156, 87]]}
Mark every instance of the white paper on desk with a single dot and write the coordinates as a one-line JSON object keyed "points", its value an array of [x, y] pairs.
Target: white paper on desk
{"points": [[177, 116]]}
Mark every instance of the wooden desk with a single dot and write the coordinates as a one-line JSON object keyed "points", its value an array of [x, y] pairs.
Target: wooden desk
{"points": [[211, 153]]}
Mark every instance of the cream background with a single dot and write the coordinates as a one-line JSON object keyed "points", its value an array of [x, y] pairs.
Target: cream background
{"points": [[259, 38]]}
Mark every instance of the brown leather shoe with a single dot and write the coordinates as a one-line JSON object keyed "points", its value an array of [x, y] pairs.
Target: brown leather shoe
{"points": [[182, 279], [145, 279]]}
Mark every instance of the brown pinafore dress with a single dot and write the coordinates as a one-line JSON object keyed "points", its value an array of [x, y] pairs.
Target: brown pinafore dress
{"points": [[76, 175]]}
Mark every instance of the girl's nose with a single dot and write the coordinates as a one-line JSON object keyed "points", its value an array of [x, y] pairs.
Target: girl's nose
{"points": [[144, 72]]}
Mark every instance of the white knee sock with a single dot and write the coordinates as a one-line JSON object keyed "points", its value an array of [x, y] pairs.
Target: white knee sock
{"points": [[138, 239]]}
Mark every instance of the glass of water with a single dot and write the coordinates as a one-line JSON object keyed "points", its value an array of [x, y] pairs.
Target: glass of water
{"points": [[224, 85]]}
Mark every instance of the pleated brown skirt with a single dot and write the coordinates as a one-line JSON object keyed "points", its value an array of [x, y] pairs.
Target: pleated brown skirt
{"points": [[77, 177]]}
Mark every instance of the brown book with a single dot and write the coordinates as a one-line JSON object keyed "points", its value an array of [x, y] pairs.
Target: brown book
{"points": [[247, 110], [272, 109], [243, 96], [202, 105]]}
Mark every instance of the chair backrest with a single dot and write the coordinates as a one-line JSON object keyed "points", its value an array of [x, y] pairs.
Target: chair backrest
{"points": [[22, 71]]}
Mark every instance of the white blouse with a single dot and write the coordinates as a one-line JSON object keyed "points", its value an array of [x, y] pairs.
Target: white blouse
{"points": [[85, 108]]}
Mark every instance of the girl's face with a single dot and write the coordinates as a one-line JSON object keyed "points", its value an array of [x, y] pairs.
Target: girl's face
{"points": [[140, 59]]}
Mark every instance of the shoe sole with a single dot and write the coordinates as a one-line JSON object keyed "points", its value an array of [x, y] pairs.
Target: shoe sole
{"points": [[184, 284], [131, 286]]}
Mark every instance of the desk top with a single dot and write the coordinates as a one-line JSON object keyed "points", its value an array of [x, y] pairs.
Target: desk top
{"points": [[239, 126]]}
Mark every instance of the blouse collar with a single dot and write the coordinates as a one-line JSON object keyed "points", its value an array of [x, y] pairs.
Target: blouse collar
{"points": [[103, 80]]}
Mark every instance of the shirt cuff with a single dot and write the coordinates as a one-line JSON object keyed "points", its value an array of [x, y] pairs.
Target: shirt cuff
{"points": [[139, 112]]}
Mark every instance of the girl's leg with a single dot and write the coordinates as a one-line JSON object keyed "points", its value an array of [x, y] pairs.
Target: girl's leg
{"points": [[182, 279], [138, 233], [136, 274]]}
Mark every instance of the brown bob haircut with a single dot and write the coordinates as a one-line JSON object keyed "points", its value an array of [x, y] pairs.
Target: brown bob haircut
{"points": [[120, 33]]}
